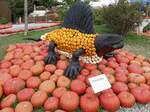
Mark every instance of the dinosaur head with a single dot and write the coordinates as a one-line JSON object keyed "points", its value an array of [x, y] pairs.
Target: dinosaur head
{"points": [[108, 42]]}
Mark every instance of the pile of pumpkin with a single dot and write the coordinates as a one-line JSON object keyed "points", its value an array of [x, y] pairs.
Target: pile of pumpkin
{"points": [[28, 85]]}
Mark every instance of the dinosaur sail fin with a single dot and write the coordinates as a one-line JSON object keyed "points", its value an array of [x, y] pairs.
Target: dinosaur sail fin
{"points": [[80, 17]]}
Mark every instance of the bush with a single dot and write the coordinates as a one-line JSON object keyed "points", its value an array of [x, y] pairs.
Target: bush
{"points": [[97, 13], [62, 12], [146, 28], [3, 21], [121, 17]]}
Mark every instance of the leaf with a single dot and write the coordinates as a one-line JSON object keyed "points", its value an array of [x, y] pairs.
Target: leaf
{"points": [[101, 110], [78, 110], [15, 104]]}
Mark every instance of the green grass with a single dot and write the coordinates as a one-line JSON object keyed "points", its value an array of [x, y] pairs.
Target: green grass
{"points": [[133, 43], [140, 44]]}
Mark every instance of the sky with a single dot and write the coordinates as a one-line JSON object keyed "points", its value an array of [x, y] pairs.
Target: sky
{"points": [[103, 3]]}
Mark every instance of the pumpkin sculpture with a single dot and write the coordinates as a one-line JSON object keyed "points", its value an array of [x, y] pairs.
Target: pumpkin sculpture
{"points": [[77, 40]]}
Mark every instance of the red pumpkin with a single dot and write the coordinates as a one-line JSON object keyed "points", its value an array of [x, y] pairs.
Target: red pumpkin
{"points": [[9, 55], [71, 103], [101, 66], [7, 109], [136, 78], [45, 76], [111, 79], [119, 87], [58, 92], [26, 57], [59, 72], [124, 65], [38, 98], [25, 94], [17, 61], [62, 64], [37, 69], [81, 78], [54, 78], [63, 81], [132, 85], [4, 77], [27, 64], [133, 68], [59, 110], [141, 95], [78, 86], [95, 72], [121, 78], [121, 70], [33, 82], [104, 62], [90, 66], [122, 59], [13, 86], [126, 99], [50, 68], [51, 104], [25, 74], [24, 107], [1, 91], [89, 90], [84, 72], [89, 103], [11, 48], [5, 64], [113, 64], [145, 86], [108, 71], [8, 101], [48, 86], [147, 75], [14, 70], [38, 58], [109, 101]]}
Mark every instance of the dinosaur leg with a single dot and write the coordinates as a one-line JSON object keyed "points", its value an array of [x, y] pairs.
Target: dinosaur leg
{"points": [[52, 56], [74, 67], [109, 54]]}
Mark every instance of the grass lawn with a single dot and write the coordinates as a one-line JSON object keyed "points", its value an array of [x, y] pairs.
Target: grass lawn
{"points": [[133, 43]]}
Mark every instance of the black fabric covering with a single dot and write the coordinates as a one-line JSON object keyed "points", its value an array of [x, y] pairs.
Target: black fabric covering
{"points": [[80, 17]]}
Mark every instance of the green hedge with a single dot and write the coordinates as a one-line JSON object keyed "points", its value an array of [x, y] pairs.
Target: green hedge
{"points": [[3, 21]]}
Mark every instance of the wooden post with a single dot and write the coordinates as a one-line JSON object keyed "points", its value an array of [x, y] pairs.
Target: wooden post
{"points": [[26, 16]]}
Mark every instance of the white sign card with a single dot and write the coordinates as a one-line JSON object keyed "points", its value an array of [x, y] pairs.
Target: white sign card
{"points": [[99, 83]]}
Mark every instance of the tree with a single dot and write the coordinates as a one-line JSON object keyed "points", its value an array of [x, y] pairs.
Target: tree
{"points": [[17, 8], [70, 2], [26, 16], [121, 17], [49, 3]]}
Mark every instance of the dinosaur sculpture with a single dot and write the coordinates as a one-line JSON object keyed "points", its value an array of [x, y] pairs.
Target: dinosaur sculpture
{"points": [[77, 39]]}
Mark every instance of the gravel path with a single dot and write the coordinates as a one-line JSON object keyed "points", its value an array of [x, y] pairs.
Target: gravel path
{"points": [[31, 25], [136, 108]]}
